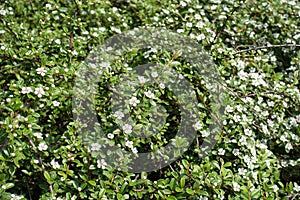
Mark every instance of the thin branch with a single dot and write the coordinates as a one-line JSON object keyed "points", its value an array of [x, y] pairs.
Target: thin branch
{"points": [[40, 161], [267, 47], [223, 26], [72, 33]]}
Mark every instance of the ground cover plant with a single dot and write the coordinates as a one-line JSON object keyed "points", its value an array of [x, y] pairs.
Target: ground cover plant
{"points": [[255, 47]]}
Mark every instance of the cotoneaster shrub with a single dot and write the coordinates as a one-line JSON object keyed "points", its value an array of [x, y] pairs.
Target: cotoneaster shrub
{"points": [[257, 153]]}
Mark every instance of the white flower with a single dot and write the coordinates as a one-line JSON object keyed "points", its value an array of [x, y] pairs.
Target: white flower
{"points": [[236, 152], [229, 109], [129, 144], [236, 118], [142, 79], [43, 146], [110, 136], [15, 197], [119, 115], [95, 147], [38, 135], [26, 90], [242, 75], [243, 140], [162, 86], [265, 129], [149, 94], [55, 164], [248, 132], [275, 188], [127, 128], [55, 103], [154, 74], [48, 6], [101, 163], [39, 92], [198, 126], [134, 150], [134, 101], [2, 12], [288, 146], [42, 71], [296, 187], [236, 187], [242, 171], [221, 152], [57, 41], [205, 133], [246, 159], [200, 37]]}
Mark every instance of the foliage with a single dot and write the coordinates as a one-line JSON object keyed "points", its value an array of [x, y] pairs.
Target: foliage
{"points": [[257, 153]]}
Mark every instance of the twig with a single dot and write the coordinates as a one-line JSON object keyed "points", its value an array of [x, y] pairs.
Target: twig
{"points": [[40, 161], [267, 47], [72, 33], [28, 188], [223, 26], [293, 196]]}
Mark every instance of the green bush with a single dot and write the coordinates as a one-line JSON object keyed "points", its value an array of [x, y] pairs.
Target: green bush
{"points": [[255, 46]]}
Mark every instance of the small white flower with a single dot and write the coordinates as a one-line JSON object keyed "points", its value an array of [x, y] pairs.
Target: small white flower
{"points": [[55, 164], [134, 101], [242, 171], [57, 41], [55, 103], [38, 135], [248, 132], [154, 74], [198, 126], [243, 140], [110, 136], [48, 6], [2, 12], [296, 187], [149, 94], [162, 86], [205, 133], [101, 163], [95, 147], [288, 146], [129, 144], [26, 90], [134, 150], [39, 92], [229, 109], [142, 79], [119, 115], [43, 146], [221, 152], [127, 128], [15, 197], [236, 152], [275, 188], [236, 187], [42, 71]]}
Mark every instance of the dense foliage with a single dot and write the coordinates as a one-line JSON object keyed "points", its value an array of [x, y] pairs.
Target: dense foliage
{"points": [[255, 46]]}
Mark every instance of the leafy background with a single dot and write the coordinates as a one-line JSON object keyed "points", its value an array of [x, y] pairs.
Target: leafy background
{"points": [[255, 45]]}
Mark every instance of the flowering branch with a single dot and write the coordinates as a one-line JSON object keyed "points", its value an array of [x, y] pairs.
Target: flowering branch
{"points": [[40, 161], [254, 48]]}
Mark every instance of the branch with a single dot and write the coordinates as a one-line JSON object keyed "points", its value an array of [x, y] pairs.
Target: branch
{"points": [[293, 196], [267, 47], [40, 161]]}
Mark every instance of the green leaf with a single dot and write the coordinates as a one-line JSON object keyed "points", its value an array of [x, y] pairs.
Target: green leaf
{"points": [[47, 176], [182, 182], [93, 183]]}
